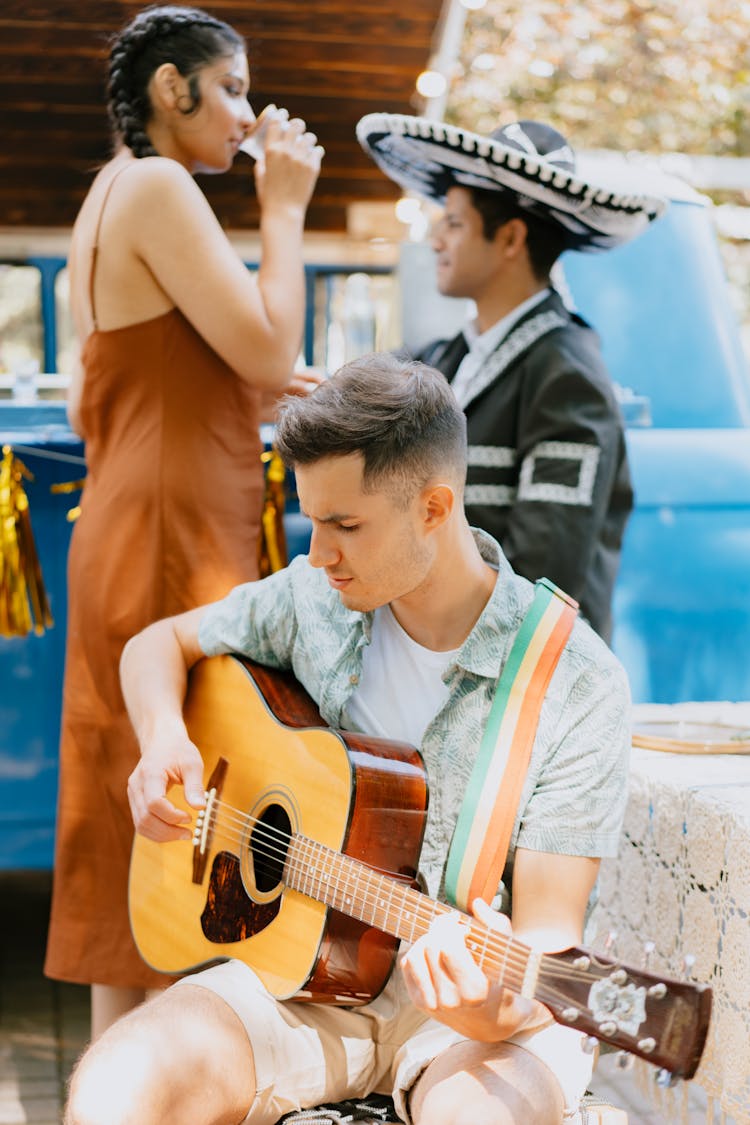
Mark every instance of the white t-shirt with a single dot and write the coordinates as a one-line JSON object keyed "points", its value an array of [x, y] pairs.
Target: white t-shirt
{"points": [[401, 688]]}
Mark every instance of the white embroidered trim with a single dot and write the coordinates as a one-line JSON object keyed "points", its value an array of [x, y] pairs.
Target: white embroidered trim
{"points": [[518, 340], [490, 495], [581, 493], [484, 152], [492, 456]]}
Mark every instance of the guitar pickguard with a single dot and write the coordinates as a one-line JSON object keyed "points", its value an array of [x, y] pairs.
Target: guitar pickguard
{"points": [[229, 914]]}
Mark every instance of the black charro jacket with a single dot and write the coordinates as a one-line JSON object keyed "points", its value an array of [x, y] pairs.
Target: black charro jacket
{"points": [[548, 475]]}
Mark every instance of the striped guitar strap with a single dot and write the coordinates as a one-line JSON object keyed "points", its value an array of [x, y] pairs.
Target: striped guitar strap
{"points": [[480, 842]]}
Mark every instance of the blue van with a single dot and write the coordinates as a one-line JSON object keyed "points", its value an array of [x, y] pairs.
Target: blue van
{"points": [[672, 344]]}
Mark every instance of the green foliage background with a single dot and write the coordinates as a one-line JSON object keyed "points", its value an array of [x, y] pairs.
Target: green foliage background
{"points": [[672, 76]]}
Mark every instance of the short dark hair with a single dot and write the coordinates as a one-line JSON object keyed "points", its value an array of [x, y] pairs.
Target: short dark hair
{"points": [[545, 241], [187, 37], [401, 415]]}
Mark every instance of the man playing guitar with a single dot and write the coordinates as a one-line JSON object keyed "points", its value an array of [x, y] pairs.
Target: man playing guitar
{"points": [[398, 624]]}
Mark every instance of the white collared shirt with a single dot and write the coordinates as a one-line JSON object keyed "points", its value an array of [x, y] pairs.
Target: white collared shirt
{"points": [[482, 344]]}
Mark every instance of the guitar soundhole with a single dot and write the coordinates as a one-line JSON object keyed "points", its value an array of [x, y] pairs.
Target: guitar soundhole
{"points": [[269, 841]]}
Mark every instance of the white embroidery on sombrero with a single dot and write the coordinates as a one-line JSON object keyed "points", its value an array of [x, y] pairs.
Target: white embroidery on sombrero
{"points": [[428, 157], [452, 135], [516, 133], [405, 159], [602, 216], [400, 167]]}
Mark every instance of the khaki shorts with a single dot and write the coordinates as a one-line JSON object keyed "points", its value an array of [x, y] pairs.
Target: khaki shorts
{"points": [[306, 1054]]}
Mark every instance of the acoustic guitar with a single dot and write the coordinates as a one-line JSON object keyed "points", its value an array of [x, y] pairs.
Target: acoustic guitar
{"points": [[303, 863]]}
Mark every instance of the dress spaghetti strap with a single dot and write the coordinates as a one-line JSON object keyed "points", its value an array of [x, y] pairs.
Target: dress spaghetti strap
{"points": [[95, 247]]}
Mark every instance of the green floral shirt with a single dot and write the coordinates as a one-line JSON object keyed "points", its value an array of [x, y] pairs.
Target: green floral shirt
{"points": [[576, 786]]}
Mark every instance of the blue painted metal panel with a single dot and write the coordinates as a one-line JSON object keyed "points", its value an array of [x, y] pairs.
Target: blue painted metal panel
{"points": [[682, 599], [662, 307], [31, 667], [49, 268], [701, 469]]}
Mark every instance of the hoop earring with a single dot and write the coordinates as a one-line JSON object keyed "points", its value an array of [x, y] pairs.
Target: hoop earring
{"points": [[185, 104]]}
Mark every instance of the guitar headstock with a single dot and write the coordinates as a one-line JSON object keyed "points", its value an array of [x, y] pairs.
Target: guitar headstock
{"points": [[660, 1019]]}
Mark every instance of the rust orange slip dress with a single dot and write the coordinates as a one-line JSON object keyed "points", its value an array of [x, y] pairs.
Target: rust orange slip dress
{"points": [[170, 518]]}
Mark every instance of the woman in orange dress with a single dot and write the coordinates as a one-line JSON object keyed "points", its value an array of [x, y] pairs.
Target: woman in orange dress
{"points": [[179, 341]]}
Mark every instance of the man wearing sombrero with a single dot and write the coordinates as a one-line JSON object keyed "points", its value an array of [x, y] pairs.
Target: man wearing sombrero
{"points": [[548, 474]]}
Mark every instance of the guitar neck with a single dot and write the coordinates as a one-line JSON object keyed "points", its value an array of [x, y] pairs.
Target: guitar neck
{"points": [[381, 901]]}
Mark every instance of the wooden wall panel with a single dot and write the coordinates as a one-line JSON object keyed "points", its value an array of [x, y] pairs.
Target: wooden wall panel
{"points": [[330, 61]]}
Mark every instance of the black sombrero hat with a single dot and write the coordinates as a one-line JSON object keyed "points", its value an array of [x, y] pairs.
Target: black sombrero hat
{"points": [[529, 161]]}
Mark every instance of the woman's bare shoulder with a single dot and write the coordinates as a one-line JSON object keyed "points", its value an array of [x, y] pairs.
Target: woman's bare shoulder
{"points": [[156, 195], [129, 180], [147, 195], [157, 175]]}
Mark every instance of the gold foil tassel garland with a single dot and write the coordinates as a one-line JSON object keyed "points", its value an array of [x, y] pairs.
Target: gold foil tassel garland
{"points": [[23, 599], [272, 550]]}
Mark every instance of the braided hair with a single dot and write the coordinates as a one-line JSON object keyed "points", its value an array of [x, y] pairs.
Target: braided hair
{"points": [[187, 37]]}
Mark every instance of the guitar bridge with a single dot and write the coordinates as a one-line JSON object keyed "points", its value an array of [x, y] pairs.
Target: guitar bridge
{"points": [[204, 823]]}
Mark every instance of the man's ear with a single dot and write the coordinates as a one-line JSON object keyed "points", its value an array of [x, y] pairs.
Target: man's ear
{"points": [[167, 86], [510, 238], [439, 500]]}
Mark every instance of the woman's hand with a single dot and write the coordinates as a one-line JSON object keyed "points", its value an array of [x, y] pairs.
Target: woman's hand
{"points": [[303, 383], [305, 380], [287, 173]]}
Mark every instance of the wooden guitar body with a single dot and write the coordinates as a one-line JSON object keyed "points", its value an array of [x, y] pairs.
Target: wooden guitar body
{"points": [[302, 865], [284, 773]]}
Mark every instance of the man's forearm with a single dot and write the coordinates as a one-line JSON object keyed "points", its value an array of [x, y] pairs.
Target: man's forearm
{"points": [[153, 675]]}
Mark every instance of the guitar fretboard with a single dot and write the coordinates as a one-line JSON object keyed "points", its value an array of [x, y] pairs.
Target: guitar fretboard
{"points": [[381, 901]]}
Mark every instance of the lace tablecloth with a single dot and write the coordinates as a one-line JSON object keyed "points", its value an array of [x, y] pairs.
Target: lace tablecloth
{"points": [[682, 881]]}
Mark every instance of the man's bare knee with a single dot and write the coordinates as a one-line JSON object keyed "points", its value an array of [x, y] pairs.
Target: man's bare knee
{"points": [[113, 1076], [473, 1084], [165, 1061]]}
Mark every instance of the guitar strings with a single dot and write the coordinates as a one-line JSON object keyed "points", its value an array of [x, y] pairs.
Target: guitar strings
{"points": [[491, 946], [496, 945], [497, 950], [425, 909]]}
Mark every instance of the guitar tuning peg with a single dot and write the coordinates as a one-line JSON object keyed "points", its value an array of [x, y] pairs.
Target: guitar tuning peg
{"points": [[649, 948], [624, 1061], [688, 962], [589, 1044], [665, 1078]]}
